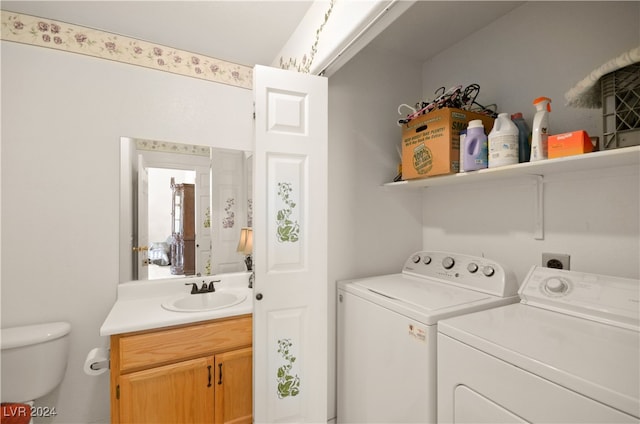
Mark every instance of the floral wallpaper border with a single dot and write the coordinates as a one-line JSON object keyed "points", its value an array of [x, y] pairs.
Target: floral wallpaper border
{"points": [[304, 65], [165, 146], [26, 29]]}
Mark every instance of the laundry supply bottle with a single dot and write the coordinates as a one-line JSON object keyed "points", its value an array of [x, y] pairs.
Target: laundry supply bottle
{"points": [[463, 135], [503, 142], [524, 137], [475, 147], [540, 130]]}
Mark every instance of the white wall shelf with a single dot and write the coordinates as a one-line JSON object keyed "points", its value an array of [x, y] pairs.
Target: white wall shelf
{"points": [[596, 160], [627, 156]]}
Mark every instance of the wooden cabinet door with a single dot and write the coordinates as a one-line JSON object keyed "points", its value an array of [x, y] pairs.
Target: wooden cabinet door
{"points": [[178, 393], [233, 381]]}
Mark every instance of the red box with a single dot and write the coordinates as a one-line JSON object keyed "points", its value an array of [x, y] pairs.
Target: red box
{"points": [[569, 144]]}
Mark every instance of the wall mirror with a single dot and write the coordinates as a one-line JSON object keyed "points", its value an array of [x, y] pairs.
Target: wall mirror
{"points": [[182, 208]]}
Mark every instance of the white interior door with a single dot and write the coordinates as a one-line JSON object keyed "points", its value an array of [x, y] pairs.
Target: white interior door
{"points": [[203, 220], [142, 252], [290, 247], [228, 210]]}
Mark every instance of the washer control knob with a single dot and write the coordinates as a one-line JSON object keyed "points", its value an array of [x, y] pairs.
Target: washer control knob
{"points": [[556, 285], [472, 267], [426, 260], [415, 259], [448, 262], [488, 271]]}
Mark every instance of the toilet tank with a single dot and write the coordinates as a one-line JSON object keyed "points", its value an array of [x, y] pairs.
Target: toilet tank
{"points": [[34, 359]]}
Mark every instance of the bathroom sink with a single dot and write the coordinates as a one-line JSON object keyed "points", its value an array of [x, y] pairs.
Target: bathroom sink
{"points": [[203, 302]]}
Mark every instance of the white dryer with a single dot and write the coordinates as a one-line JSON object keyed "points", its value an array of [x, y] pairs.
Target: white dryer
{"points": [[569, 352], [387, 332]]}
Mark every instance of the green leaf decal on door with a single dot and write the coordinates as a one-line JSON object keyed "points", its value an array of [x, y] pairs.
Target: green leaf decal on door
{"points": [[288, 229], [288, 385], [207, 218]]}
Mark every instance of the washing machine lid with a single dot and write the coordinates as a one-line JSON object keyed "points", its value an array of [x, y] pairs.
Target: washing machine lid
{"points": [[425, 300], [595, 359]]}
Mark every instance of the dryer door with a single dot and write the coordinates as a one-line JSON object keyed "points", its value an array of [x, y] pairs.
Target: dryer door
{"points": [[472, 407], [474, 387]]}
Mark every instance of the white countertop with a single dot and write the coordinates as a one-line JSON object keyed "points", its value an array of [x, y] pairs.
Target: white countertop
{"points": [[139, 303]]}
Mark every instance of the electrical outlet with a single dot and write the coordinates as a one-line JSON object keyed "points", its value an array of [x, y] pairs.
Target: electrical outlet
{"points": [[556, 260]]}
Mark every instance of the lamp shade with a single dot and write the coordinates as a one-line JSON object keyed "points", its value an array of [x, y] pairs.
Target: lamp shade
{"points": [[245, 245]]}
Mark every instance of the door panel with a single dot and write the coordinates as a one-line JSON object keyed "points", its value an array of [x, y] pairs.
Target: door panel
{"points": [[203, 220], [229, 210], [290, 246], [142, 251], [233, 380], [176, 393]]}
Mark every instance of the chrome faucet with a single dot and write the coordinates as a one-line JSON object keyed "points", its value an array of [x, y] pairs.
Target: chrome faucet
{"points": [[210, 288]]}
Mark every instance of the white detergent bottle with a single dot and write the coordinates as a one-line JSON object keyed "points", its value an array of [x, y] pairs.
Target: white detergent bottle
{"points": [[540, 130], [503, 142]]}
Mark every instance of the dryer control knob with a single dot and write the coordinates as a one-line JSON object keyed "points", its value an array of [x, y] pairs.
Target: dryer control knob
{"points": [[415, 259], [488, 271], [448, 262], [426, 260], [556, 285], [472, 267]]}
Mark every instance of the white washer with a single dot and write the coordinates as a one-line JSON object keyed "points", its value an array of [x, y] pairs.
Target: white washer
{"points": [[387, 332], [568, 353]]}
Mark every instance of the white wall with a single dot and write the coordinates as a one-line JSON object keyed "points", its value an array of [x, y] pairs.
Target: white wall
{"points": [[62, 118], [371, 230], [541, 49]]}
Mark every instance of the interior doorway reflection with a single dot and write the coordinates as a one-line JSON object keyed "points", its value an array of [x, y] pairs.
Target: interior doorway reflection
{"points": [[166, 253]]}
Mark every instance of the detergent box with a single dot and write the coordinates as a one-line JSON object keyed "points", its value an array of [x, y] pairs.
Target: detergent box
{"points": [[431, 142]]}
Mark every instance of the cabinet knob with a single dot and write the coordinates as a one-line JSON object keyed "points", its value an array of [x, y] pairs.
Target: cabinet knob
{"points": [[259, 296]]}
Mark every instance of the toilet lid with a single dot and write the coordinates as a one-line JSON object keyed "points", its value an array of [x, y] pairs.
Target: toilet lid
{"points": [[26, 335]]}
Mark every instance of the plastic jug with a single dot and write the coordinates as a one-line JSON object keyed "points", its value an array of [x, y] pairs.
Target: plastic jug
{"points": [[463, 135], [475, 147], [524, 137], [503, 142], [540, 133]]}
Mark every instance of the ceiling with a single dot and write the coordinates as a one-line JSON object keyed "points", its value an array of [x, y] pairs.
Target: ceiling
{"points": [[243, 32], [430, 27], [253, 32]]}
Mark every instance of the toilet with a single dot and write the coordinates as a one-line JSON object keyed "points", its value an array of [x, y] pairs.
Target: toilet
{"points": [[34, 360]]}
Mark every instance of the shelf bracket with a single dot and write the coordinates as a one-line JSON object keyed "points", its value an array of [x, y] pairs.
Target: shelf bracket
{"points": [[538, 225]]}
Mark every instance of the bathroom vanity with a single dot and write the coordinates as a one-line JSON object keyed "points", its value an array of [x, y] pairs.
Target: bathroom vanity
{"points": [[188, 366], [189, 373]]}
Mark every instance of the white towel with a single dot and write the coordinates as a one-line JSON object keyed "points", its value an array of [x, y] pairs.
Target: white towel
{"points": [[587, 93]]}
